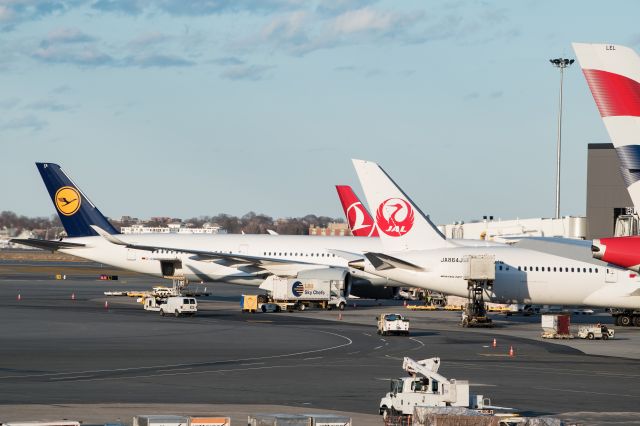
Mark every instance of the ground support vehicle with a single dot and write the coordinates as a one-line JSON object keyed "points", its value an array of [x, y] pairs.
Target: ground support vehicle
{"points": [[175, 305], [393, 324], [257, 303], [595, 331], [556, 326], [625, 317], [299, 294], [425, 387], [480, 273]]}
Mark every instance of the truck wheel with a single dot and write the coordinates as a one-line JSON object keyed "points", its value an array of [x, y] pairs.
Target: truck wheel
{"points": [[341, 306], [263, 308], [385, 413], [176, 313], [636, 321], [329, 307], [605, 336], [161, 312], [590, 336], [616, 320], [625, 320], [301, 307]]}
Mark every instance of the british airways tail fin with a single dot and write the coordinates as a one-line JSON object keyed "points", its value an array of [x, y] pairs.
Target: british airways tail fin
{"points": [[360, 221], [613, 75], [77, 213], [401, 225]]}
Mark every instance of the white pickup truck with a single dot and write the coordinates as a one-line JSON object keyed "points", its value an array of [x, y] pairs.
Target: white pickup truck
{"points": [[393, 324], [177, 305]]}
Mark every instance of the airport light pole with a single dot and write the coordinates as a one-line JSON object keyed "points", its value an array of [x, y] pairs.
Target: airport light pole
{"points": [[560, 63]]}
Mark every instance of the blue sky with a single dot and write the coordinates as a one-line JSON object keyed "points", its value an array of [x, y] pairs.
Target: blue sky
{"points": [[185, 108]]}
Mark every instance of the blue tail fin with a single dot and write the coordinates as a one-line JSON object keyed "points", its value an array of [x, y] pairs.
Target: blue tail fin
{"points": [[76, 211]]}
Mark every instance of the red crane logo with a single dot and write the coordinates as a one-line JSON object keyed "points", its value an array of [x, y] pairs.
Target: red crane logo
{"points": [[395, 217]]}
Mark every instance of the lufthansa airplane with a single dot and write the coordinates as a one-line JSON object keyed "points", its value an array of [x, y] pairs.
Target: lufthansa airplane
{"points": [[416, 253], [239, 259]]}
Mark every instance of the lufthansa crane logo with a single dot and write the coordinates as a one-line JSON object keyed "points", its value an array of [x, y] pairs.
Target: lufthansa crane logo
{"points": [[67, 200], [395, 217]]}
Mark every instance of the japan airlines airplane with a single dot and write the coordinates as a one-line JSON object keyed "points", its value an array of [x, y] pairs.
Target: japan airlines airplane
{"points": [[613, 75], [240, 259], [416, 253]]}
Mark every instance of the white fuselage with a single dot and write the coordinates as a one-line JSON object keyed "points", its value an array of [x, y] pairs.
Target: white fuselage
{"points": [[548, 279], [311, 252]]}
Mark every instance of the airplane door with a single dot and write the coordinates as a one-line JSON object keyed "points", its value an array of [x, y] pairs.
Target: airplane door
{"points": [[611, 276], [131, 254]]}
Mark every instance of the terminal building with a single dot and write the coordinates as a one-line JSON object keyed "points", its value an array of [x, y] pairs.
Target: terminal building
{"points": [[173, 228], [608, 201]]}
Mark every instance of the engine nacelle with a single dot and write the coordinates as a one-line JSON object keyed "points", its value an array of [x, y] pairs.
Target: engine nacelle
{"points": [[340, 278], [169, 267]]}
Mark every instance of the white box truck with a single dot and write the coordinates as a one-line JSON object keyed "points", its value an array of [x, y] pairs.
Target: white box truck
{"points": [[301, 293]]}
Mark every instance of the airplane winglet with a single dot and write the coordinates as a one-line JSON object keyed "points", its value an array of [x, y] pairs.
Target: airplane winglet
{"points": [[107, 236]]}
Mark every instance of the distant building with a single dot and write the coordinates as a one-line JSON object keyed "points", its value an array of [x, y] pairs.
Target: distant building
{"points": [[173, 228], [497, 230], [333, 229]]}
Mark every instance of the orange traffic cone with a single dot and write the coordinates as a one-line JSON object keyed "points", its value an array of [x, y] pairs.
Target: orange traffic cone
{"points": [[73, 296], [494, 344], [512, 353], [19, 297], [106, 304]]}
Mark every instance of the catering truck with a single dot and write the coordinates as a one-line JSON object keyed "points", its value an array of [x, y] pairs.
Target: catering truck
{"points": [[297, 293]]}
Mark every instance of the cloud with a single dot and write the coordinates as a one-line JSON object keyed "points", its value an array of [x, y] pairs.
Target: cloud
{"points": [[28, 122], [85, 56], [149, 39], [193, 7], [66, 36], [496, 94], [228, 60], [369, 20], [345, 68], [246, 72], [9, 103], [337, 7], [49, 105], [156, 61], [14, 12], [61, 89]]}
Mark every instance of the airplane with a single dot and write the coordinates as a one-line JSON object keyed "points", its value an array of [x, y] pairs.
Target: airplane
{"points": [[416, 253], [238, 259], [613, 75]]}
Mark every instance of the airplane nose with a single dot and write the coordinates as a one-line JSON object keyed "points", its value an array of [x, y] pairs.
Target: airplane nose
{"points": [[597, 249]]}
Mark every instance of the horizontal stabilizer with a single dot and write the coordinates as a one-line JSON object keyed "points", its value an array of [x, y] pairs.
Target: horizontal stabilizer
{"points": [[383, 262], [45, 244]]}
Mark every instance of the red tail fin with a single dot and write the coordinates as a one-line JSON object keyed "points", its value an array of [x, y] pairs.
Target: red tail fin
{"points": [[360, 221]]}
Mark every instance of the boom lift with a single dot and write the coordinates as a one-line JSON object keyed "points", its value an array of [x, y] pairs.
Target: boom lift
{"points": [[426, 387]]}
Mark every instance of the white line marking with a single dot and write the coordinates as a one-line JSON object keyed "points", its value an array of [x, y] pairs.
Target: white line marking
{"points": [[315, 357], [377, 347], [194, 365]]}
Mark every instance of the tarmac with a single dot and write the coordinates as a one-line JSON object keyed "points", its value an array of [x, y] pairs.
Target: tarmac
{"points": [[75, 359]]}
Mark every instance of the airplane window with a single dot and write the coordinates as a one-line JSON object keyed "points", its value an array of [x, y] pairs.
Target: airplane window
{"points": [[596, 270], [501, 268], [590, 270], [518, 268], [525, 268], [507, 268], [536, 269], [531, 268], [571, 269], [554, 269]]}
